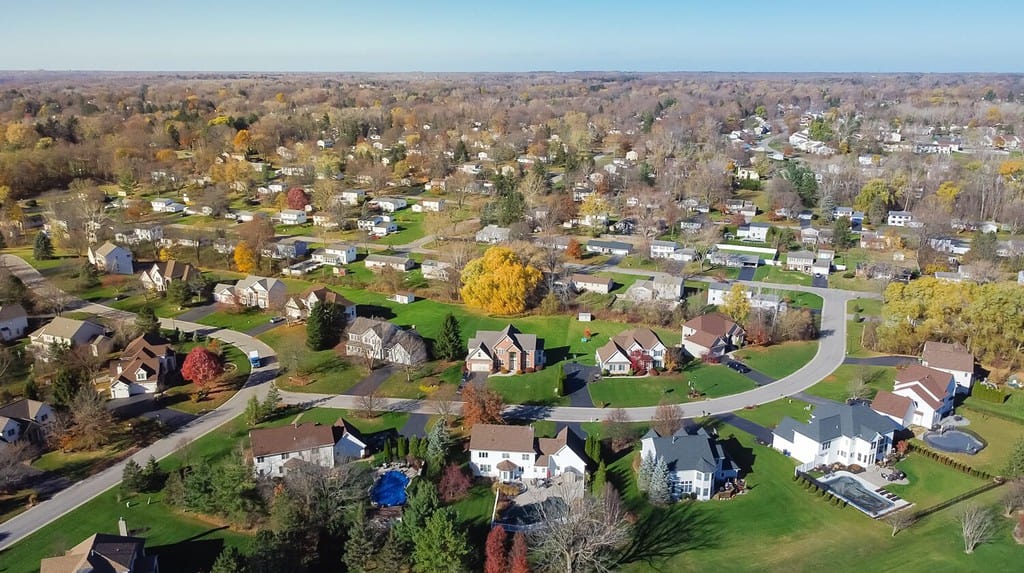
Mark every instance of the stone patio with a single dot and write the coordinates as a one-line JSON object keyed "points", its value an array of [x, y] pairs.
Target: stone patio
{"points": [[568, 486]]}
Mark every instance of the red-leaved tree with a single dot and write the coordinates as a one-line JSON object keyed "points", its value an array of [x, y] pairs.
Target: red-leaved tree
{"points": [[495, 560], [201, 367], [454, 484], [481, 406], [517, 557], [297, 198]]}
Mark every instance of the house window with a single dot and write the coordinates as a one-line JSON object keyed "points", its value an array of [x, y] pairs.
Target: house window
{"points": [[485, 468], [259, 459], [825, 445], [44, 417], [285, 456], [700, 476], [481, 455], [505, 456], [686, 486], [140, 375], [526, 457]]}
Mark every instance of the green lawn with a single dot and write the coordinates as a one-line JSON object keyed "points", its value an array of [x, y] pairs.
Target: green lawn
{"points": [[179, 397], [779, 360], [410, 228], [1013, 407], [536, 388], [160, 306], [432, 376], [769, 415], [622, 280], [240, 321], [836, 386], [772, 274], [328, 416], [931, 482], [711, 380], [803, 299], [998, 434], [636, 262], [322, 372], [865, 306], [854, 335], [75, 465]]}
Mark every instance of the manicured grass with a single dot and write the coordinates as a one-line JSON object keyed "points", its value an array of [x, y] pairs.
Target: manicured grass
{"points": [[769, 415], [779, 360], [179, 397], [998, 434], [47, 267], [865, 306], [622, 280], [75, 465], [536, 388], [931, 481], [711, 380], [432, 376], [322, 372], [636, 262], [836, 386], [474, 510], [1013, 407], [410, 228], [240, 321], [14, 503], [854, 335], [135, 302], [803, 299], [771, 274], [328, 416]]}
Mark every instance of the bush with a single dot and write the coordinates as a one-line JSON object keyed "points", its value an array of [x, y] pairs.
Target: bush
{"points": [[849, 275], [988, 394], [654, 372]]}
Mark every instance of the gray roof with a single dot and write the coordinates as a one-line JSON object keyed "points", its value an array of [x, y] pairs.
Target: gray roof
{"points": [[664, 244], [13, 310], [685, 452], [107, 248], [68, 328], [610, 244], [489, 338], [831, 421], [800, 255]]}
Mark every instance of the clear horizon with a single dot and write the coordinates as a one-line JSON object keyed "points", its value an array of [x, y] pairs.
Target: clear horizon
{"points": [[455, 36]]}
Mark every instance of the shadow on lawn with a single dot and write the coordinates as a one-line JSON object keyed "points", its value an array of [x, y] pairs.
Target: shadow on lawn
{"points": [[668, 531], [375, 311], [192, 554]]}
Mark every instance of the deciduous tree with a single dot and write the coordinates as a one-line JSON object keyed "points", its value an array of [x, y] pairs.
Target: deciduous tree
{"points": [[574, 250], [201, 367], [499, 282], [736, 304], [481, 406], [519, 554], [146, 321], [585, 535], [245, 258], [297, 198], [454, 484], [495, 555], [668, 419], [976, 526]]}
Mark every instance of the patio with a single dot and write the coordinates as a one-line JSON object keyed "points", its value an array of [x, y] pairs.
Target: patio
{"points": [[568, 486]]}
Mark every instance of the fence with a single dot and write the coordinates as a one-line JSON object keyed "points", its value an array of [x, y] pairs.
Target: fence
{"points": [[957, 499]]}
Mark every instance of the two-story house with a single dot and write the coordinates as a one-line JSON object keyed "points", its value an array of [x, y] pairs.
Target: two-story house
{"points": [[951, 358], [25, 419], [13, 321], [75, 334], [509, 453], [102, 552], [930, 391], [277, 450], [754, 232], [287, 248], [252, 291], [382, 340], [292, 217], [299, 306], [507, 350], [711, 335], [899, 218], [429, 206], [111, 259], [143, 367], [335, 254], [837, 433], [697, 464], [802, 261], [160, 275], [637, 349]]}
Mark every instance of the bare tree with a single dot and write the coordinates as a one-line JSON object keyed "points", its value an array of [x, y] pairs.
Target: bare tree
{"points": [[327, 494], [668, 419], [13, 467], [93, 423], [370, 404], [901, 520], [444, 403], [618, 428], [976, 526], [583, 535], [1013, 499]]}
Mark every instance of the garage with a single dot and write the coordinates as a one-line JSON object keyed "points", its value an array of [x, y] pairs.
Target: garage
{"points": [[479, 367]]}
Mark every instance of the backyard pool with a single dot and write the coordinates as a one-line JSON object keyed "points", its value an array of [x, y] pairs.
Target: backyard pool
{"points": [[954, 441], [857, 493], [389, 490]]}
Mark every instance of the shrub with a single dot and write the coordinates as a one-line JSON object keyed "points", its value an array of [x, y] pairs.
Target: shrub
{"points": [[849, 275], [654, 372], [531, 370]]}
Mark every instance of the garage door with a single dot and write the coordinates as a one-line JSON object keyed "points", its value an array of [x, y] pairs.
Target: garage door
{"points": [[480, 367]]}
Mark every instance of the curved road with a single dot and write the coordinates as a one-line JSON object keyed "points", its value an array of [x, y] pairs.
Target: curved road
{"points": [[830, 355]]}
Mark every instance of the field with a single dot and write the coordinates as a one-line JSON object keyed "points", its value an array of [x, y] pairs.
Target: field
{"points": [[771, 274], [836, 386]]}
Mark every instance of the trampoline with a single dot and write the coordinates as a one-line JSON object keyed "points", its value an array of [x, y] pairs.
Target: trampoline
{"points": [[389, 490], [954, 441]]}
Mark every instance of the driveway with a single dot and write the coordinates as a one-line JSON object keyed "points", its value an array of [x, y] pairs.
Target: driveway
{"points": [[198, 313], [373, 381], [261, 328], [416, 425], [747, 274], [819, 282], [576, 378]]}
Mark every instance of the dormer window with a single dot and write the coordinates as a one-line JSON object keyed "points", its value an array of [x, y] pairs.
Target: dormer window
{"points": [[140, 375]]}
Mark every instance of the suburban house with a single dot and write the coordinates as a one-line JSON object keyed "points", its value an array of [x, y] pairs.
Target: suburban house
{"points": [[104, 553], [13, 321], [139, 234], [667, 287], [24, 419], [837, 433], [277, 450], [711, 335], [616, 248], [252, 291], [72, 333], [931, 391], [899, 409], [143, 367], [112, 259], [507, 350], [510, 453], [299, 306], [157, 277], [951, 358], [324, 220], [671, 250], [165, 205], [590, 283], [352, 197], [697, 464], [286, 248], [802, 261], [389, 204], [428, 206], [766, 301], [383, 228], [382, 340], [377, 263], [899, 218], [335, 254], [493, 234], [755, 232], [372, 221], [637, 349], [435, 270], [292, 216]]}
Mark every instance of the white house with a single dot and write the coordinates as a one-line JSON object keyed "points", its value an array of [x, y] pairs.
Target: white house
{"points": [[951, 358], [802, 261], [930, 392], [13, 321], [165, 205], [299, 306], [429, 206], [276, 450], [899, 218], [493, 234], [590, 283], [757, 232], [160, 275], [25, 418], [670, 250], [352, 197], [837, 433], [292, 216], [435, 270], [142, 367], [383, 228], [640, 345], [335, 254], [766, 301], [389, 204], [697, 464], [667, 287], [616, 248], [111, 259], [377, 262], [253, 291], [510, 453], [384, 341]]}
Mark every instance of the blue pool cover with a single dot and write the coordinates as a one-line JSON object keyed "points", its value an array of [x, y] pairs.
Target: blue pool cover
{"points": [[390, 489]]}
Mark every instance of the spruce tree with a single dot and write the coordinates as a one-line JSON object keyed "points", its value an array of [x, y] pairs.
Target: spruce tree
{"points": [[131, 477], [441, 547], [230, 560], [600, 479], [151, 475], [320, 327], [448, 345], [643, 474], [146, 321], [360, 546], [42, 249], [657, 491]]}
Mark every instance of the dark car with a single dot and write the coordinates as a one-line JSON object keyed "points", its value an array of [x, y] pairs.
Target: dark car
{"points": [[738, 366]]}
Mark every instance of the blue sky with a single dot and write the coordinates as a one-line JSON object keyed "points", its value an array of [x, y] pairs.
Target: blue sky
{"points": [[561, 35]]}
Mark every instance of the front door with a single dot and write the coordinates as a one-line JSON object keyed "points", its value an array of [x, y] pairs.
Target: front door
{"points": [[513, 362]]}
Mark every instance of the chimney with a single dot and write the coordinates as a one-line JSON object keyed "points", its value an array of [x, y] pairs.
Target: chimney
{"points": [[122, 527], [674, 438]]}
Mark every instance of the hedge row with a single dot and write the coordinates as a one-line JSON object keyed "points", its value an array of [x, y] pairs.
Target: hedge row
{"points": [[989, 394], [960, 466], [813, 486]]}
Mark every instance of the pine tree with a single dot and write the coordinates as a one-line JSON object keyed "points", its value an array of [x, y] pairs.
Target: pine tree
{"points": [[178, 293], [388, 456], [151, 475], [437, 448], [146, 321], [592, 447], [31, 389], [360, 547], [441, 547], [252, 411], [657, 492], [643, 474], [394, 554], [230, 560], [88, 276], [517, 557], [495, 558], [131, 477], [174, 489], [320, 326], [600, 479], [42, 249], [270, 403], [448, 345], [423, 502], [403, 448]]}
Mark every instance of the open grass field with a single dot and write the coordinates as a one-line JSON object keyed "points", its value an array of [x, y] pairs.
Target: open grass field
{"points": [[711, 380], [931, 482], [1013, 407], [836, 386], [308, 371], [865, 306], [770, 274], [779, 360], [240, 321], [770, 414]]}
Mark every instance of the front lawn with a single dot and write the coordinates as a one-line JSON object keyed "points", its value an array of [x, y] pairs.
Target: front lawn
{"points": [[773, 274], [836, 386], [135, 303], [321, 372], [536, 388], [865, 306], [410, 228], [769, 415], [779, 360], [76, 465], [240, 321], [328, 416], [711, 380], [432, 376]]}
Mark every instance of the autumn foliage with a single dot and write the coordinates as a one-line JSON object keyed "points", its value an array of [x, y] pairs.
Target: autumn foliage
{"points": [[454, 484], [201, 366], [499, 282], [495, 560], [481, 406], [245, 258], [297, 198], [518, 556]]}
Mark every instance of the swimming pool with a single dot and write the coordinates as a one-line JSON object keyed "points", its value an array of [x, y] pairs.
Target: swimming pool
{"points": [[390, 489], [851, 489], [954, 441]]}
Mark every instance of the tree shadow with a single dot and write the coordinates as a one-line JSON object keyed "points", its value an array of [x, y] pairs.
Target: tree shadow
{"points": [[556, 354], [531, 411], [192, 554], [740, 455], [375, 311], [668, 531]]}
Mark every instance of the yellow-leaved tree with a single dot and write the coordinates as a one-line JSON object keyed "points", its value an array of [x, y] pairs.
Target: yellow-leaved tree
{"points": [[499, 282], [736, 304], [245, 259]]}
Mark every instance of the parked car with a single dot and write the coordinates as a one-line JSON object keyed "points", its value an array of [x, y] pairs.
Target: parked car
{"points": [[738, 366], [276, 319]]}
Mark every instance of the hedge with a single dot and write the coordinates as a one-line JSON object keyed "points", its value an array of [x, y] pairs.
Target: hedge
{"points": [[989, 394]]}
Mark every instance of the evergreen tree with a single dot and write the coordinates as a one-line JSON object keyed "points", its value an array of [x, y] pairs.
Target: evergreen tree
{"points": [[174, 489], [560, 381], [230, 560], [394, 554], [270, 402], [146, 321], [657, 492], [320, 327], [643, 474], [132, 480], [437, 448], [66, 383], [388, 456], [592, 447], [600, 479], [32, 389], [448, 345], [360, 547], [1015, 461], [178, 293], [252, 411], [423, 502], [440, 547], [42, 249], [151, 475], [403, 448], [88, 276]]}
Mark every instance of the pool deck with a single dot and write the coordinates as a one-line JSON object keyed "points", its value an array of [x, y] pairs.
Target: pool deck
{"points": [[898, 502]]}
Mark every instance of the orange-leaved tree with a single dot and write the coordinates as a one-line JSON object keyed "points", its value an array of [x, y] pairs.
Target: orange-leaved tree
{"points": [[245, 258], [481, 406], [499, 282]]}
